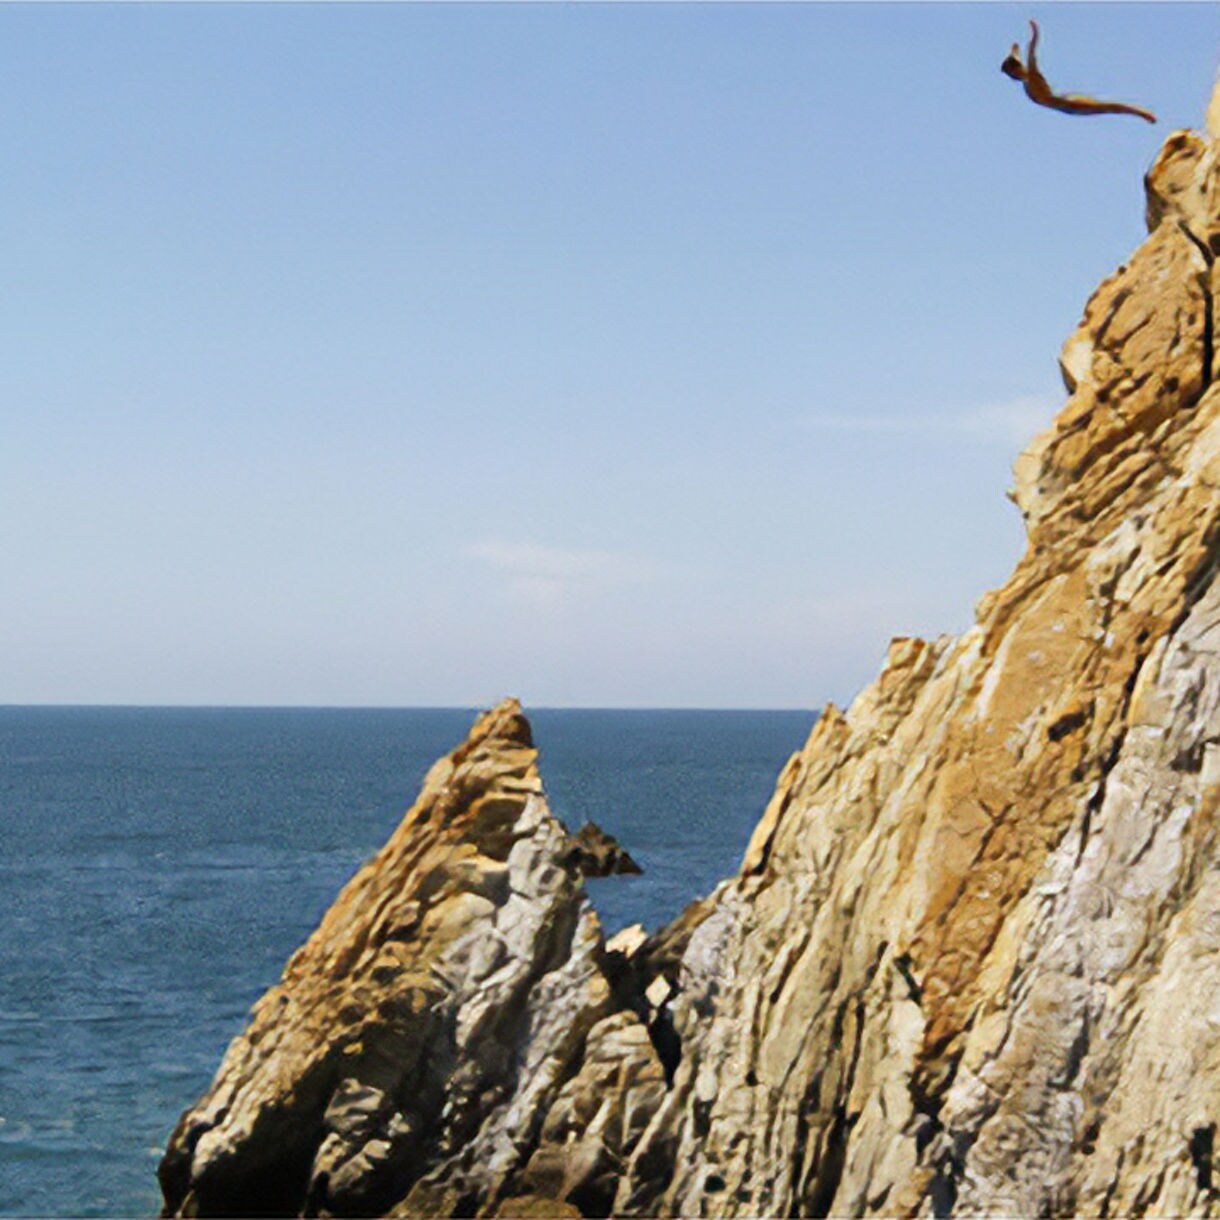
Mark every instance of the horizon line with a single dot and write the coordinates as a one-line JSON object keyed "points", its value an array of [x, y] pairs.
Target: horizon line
{"points": [[393, 707]]}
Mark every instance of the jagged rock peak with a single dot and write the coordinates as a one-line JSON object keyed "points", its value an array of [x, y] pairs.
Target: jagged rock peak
{"points": [[505, 724], [412, 1050]]}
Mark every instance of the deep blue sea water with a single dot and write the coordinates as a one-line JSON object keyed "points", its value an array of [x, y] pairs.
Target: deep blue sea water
{"points": [[159, 865]]}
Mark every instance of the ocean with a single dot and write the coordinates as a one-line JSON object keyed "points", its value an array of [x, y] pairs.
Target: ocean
{"points": [[159, 865]]}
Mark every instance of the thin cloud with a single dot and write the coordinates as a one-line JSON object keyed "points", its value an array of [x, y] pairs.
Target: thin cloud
{"points": [[1014, 422], [547, 577]]}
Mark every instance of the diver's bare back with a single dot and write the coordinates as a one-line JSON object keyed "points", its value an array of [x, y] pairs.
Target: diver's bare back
{"points": [[1037, 89]]}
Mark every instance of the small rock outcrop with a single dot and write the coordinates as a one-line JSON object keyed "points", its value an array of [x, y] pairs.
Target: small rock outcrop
{"points": [[970, 962], [444, 1021], [594, 853]]}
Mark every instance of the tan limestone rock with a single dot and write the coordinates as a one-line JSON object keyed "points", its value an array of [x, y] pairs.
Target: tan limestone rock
{"points": [[955, 959], [442, 1002]]}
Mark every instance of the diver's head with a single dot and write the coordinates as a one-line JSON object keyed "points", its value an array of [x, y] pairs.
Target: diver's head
{"points": [[1013, 66]]}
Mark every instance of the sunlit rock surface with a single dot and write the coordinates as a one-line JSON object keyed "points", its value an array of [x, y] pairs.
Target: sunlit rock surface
{"points": [[970, 963], [416, 1044]]}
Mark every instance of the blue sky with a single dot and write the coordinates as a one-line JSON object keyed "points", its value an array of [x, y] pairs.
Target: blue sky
{"points": [[635, 355]]}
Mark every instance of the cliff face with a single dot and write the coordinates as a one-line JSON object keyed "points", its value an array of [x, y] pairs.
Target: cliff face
{"points": [[971, 960]]}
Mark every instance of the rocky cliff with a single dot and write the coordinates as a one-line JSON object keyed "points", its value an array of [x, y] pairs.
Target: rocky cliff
{"points": [[970, 963]]}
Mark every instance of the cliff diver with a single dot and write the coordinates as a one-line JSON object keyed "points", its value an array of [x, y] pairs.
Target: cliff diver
{"points": [[1037, 89]]}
